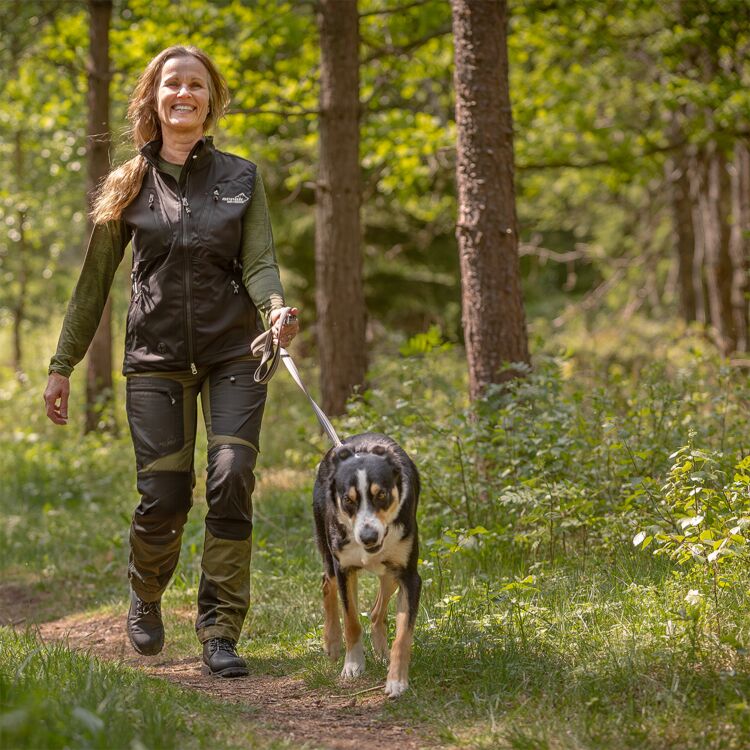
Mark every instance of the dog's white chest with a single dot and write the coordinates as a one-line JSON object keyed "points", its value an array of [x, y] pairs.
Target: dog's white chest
{"points": [[395, 551]]}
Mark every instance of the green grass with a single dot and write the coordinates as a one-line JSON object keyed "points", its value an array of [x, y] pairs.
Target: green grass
{"points": [[540, 625], [53, 698]]}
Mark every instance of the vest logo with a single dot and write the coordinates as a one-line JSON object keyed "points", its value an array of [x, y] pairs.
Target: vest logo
{"points": [[241, 198]]}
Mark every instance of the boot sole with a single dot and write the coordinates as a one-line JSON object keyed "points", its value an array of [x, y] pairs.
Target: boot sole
{"points": [[227, 672]]}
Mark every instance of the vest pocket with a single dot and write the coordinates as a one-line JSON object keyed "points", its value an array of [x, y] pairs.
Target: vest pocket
{"points": [[155, 416]]}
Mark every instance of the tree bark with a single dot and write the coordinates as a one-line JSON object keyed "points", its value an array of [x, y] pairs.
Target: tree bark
{"points": [[487, 229], [740, 243], [683, 233], [99, 391], [19, 309], [339, 295], [715, 206]]}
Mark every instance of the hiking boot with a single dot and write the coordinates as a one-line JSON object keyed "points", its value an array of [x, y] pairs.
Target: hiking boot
{"points": [[145, 628], [221, 659]]}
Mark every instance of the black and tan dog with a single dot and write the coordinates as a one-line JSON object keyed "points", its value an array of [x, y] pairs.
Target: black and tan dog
{"points": [[365, 504]]}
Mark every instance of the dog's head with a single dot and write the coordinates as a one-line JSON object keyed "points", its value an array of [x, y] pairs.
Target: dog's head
{"points": [[368, 493]]}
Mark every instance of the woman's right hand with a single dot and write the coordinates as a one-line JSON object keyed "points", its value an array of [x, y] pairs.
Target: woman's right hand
{"points": [[56, 398]]}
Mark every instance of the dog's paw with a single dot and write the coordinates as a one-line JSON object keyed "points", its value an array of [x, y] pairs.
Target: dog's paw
{"points": [[380, 645], [354, 663], [332, 649], [394, 688]]}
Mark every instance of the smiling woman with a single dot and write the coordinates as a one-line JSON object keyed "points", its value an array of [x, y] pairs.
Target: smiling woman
{"points": [[204, 282], [182, 105]]}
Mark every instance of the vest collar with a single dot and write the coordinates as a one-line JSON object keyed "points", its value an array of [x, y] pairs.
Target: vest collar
{"points": [[199, 155]]}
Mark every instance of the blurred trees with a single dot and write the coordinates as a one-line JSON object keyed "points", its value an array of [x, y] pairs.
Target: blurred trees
{"points": [[631, 127]]}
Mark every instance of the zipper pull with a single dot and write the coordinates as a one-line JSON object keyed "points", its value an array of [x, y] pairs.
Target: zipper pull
{"points": [[172, 399], [187, 211], [216, 194], [235, 286], [193, 368], [151, 201]]}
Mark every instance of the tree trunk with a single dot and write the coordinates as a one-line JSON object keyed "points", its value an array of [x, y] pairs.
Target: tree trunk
{"points": [[740, 243], [715, 205], [339, 295], [487, 229], [99, 391], [19, 309], [683, 233]]}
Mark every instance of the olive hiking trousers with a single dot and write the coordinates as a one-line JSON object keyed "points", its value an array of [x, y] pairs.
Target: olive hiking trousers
{"points": [[162, 413]]}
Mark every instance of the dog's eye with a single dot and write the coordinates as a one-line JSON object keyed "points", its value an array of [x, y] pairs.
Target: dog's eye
{"points": [[382, 495]]}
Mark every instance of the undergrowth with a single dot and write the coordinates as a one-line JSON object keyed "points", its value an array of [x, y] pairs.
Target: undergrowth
{"points": [[541, 624]]}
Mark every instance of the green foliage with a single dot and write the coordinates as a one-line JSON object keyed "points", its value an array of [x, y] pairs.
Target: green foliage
{"points": [[53, 698]]}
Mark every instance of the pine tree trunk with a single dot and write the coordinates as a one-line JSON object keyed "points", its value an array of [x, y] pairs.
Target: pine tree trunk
{"points": [[19, 309], [99, 392], [740, 243], [339, 295], [683, 233], [487, 230], [715, 205]]}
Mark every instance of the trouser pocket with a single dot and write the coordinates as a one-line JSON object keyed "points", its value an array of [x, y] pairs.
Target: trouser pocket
{"points": [[155, 416], [236, 403]]}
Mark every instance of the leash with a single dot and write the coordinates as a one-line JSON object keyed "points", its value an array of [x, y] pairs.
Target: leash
{"points": [[267, 347]]}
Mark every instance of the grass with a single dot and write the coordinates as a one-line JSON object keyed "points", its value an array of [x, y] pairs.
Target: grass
{"points": [[541, 628], [53, 698]]}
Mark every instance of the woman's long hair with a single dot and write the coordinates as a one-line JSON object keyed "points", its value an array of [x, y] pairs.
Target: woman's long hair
{"points": [[121, 186]]}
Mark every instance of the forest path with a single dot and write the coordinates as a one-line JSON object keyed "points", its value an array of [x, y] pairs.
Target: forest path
{"points": [[278, 707]]}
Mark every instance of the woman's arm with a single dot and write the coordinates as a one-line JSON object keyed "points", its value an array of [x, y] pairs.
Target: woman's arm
{"points": [[105, 251]]}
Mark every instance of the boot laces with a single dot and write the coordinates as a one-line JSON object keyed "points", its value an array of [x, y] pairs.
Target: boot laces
{"points": [[223, 644], [147, 608]]}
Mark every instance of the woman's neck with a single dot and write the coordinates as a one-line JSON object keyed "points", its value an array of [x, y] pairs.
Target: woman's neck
{"points": [[176, 147]]}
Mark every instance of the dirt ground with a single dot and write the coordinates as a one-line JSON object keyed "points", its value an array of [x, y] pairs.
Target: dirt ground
{"points": [[277, 707]]}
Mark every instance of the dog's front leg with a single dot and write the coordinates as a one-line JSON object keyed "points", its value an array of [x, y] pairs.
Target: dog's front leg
{"points": [[354, 661], [332, 622], [379, 615], [408, 604]]}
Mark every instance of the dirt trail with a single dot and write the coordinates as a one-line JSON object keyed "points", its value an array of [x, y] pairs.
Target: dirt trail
{"points": [[280, 707]]}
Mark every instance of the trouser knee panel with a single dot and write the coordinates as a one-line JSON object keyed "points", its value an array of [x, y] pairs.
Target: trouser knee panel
{"points": [[229, 489]]}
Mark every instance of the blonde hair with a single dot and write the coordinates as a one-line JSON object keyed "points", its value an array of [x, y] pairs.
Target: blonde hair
{"points": [[122, 185]]}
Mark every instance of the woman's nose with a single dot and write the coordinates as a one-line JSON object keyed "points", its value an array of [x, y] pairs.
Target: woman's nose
{"points": [[183, 90]]}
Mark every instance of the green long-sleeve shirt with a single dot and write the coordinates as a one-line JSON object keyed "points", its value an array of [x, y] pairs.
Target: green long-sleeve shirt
{"points": [[260, 275]]}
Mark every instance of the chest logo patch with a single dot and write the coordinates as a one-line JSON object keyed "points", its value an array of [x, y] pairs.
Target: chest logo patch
{"points": [[241, 198]]}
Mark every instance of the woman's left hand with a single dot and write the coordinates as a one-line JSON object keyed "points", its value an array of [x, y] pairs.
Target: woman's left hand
{"points": [[289, 331]]}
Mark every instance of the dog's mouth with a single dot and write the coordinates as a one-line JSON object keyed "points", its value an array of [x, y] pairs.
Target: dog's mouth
{"points": [[373, 548]]}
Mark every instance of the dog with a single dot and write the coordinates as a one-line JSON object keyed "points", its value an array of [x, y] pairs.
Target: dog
{"points": [[365, 506]]}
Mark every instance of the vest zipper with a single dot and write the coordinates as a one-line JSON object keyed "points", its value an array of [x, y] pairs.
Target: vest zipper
{"points": [[188, 282]]}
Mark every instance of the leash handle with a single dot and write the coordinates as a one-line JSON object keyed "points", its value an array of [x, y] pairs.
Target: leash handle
{"points": [[270, 351]]}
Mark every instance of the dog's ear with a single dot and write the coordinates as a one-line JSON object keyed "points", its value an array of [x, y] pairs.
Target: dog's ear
{"points": [[379, 450], [341, 454]]}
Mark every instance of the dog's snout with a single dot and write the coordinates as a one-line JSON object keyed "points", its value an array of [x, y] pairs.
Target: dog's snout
{"points": [[368, 535]]}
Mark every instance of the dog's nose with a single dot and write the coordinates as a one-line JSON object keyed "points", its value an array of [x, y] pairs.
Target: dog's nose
{"points": [[368, 535]]}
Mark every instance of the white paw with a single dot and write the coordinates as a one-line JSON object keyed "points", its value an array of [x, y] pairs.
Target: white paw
{"points": [[354, 662], [394, 688]]}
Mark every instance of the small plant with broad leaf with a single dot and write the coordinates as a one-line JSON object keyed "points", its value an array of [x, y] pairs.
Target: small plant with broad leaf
{"points": [[703, 519]]}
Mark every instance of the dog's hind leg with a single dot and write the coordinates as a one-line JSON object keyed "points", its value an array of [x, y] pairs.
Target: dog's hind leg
{"points": [[332, 622], [354, 661], [379, 615], [408, 603]]}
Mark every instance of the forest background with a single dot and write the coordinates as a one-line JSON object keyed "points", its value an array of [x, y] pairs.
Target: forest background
{"points": [[584, 527]]}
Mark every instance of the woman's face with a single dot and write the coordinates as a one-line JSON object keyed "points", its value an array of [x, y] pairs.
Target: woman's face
{"points": [[182, 96]]}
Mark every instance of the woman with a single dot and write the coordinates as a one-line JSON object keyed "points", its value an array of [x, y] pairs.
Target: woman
{"points": [[204, 271]]}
